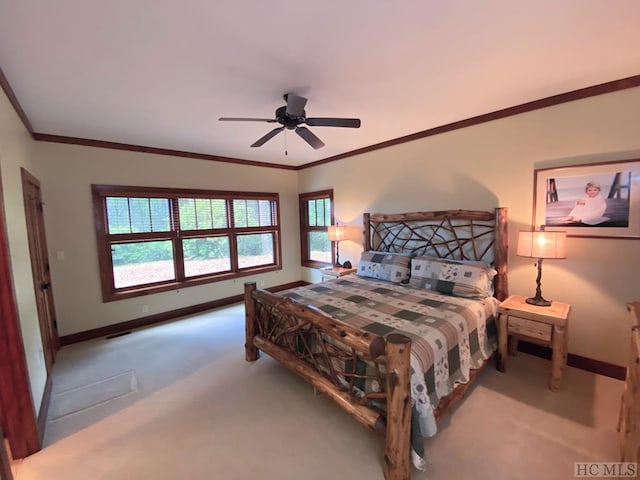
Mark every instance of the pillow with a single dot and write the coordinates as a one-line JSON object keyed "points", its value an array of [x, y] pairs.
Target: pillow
{"points": [[394, 267], [460, 278]]}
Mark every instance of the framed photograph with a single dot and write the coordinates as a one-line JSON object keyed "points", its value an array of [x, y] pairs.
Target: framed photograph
{"points": [[593, 200]]}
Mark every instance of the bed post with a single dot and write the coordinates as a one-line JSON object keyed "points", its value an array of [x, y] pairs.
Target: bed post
{"points": [[366, 232], [251, 351], [397, 454], [501, 254]]}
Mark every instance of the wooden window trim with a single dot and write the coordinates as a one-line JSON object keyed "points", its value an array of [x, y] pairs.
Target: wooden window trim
{"points": [[104, 239], [305, 228]]}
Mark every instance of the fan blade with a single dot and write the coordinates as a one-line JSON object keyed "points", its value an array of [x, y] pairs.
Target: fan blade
{"points": [[295, 105], [267, 137], [240, 119], [333, 122], [309, 137]]}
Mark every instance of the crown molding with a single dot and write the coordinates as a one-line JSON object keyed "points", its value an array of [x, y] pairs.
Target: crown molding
{"points": [[595, 90]]}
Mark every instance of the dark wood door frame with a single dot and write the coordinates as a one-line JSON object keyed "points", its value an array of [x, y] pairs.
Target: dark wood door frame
{"points": [[5, 464], [17, 412]]}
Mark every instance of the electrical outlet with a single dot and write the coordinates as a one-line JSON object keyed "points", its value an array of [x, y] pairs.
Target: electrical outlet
{"points": [[262, 283], [145, 308]]}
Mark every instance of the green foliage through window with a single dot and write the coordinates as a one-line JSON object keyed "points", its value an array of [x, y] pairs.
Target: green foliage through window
{"points": [[159, 238], [319, 212], [138, 215], [203, 213], [316, 215]]}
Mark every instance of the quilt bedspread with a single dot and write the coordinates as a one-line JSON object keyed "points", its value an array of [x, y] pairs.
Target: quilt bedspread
{"points": [[450, 335]]}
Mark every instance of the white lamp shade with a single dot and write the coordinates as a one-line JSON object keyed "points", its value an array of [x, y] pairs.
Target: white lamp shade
{"points": [[542, 244], [337, 233]]}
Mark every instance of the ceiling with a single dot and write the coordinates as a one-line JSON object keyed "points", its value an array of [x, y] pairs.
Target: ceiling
{"points": [[159, 73]]}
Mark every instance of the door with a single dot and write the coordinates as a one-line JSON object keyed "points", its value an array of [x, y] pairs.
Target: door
{"points": [[34, 213]]}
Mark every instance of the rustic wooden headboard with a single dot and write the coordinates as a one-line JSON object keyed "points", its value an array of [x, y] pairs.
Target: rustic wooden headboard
{"points": [[453, 234]]}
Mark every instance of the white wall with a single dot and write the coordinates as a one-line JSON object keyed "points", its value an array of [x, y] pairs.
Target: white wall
{"points": [[15, 153], [493, 164], [67, 172]]}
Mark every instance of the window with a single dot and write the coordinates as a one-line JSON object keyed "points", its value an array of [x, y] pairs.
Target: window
{"points": [[316, 214], [156, 239]]}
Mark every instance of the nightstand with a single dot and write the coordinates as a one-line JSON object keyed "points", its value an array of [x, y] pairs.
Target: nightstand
{"points": [[542, 325], [335, 272]]}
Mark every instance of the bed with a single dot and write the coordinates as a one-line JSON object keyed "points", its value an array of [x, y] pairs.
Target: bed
{"points": [[398, 342]]}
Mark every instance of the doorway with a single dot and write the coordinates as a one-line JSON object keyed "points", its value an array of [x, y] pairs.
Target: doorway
{"points": [[34, 213]]}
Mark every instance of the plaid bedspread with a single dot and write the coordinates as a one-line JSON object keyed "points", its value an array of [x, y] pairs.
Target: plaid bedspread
{"points": [[450, 335]]}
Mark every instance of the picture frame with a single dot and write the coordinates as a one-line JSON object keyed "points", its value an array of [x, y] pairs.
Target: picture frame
{"points": [[589, 200]]}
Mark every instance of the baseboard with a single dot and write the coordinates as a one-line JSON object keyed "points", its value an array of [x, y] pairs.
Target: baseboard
{"points": [[121, 327], [44, 408], [583, 363]]}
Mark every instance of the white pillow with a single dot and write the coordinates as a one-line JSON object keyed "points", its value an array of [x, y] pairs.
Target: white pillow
{"points": [[394, 267], [460, 278]]}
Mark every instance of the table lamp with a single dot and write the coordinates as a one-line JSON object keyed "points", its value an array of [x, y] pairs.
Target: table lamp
{"points": [[541, 244], [336, 233]]}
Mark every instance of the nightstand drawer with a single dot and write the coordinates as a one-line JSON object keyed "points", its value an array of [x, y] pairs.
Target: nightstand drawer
{"points": [[521, 326]]}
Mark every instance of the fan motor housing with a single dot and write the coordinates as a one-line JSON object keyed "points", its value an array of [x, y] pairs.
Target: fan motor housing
{"points": [[288, 121]]}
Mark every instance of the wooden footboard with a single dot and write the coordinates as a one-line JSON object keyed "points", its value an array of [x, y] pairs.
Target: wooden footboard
{"points": [[331, 355]]}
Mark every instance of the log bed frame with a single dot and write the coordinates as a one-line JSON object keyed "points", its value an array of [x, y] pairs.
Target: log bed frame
{"points": [[285, 329]]}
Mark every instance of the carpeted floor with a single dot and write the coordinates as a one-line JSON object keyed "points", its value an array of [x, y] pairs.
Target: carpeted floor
{"points": [[178, 401]]}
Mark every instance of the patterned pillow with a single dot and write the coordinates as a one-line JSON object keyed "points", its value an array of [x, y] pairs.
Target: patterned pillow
{"points": [[454, 277], [394, 267]]}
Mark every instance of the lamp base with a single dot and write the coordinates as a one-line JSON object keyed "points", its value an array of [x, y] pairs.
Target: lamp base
{"points": [[538, 301]]}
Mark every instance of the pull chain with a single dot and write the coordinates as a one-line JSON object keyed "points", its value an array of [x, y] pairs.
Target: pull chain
{"points": [[285, 143]]}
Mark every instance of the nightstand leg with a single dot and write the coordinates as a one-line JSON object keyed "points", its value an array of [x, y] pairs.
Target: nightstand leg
{"points": [[502, 342], [565, 351], [558, 356]]}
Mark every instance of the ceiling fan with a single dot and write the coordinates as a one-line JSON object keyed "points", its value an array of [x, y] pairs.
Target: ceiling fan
{"points": [[291, 116]]}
